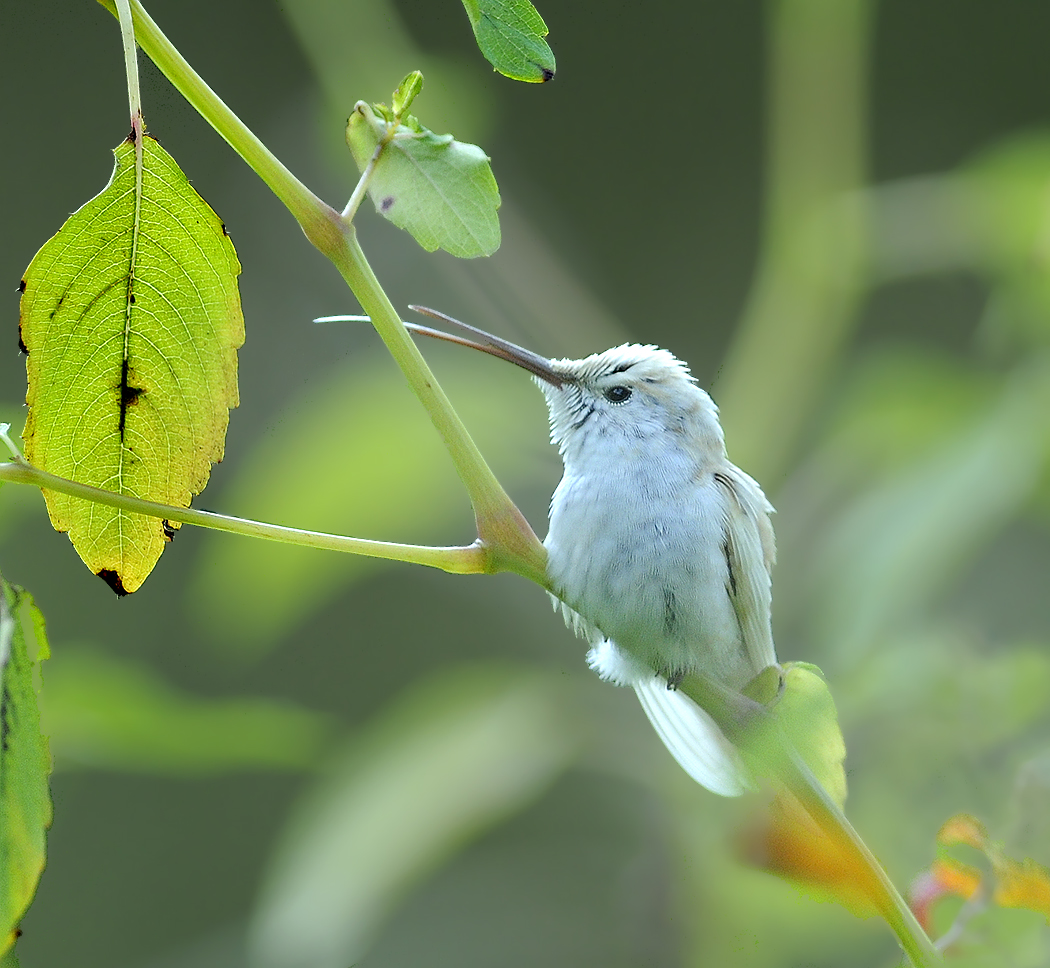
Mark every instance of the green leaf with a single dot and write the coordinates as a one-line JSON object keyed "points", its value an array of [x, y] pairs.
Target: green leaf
{"points": [[25, 802], [104, 712], [439, 190], [131, 319], [451, 758], [510, 34]]}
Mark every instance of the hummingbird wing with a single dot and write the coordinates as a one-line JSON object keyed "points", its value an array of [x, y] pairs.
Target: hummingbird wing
{"points": [[750, 550], [690, 735]]}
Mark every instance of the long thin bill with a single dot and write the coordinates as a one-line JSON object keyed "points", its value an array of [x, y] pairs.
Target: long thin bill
{"points": [[487, 343]]}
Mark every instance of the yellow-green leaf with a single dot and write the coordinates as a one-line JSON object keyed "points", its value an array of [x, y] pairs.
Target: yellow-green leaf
{"points": [[25, 803], [804, 719], [131, 318], [806, 712]]}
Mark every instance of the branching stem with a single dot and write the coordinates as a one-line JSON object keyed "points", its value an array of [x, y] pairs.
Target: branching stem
{"points": [[465, 560], [510, 543]]}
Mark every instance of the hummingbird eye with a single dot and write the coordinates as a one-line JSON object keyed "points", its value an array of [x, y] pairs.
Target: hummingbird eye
{"points": [[618, 394]]}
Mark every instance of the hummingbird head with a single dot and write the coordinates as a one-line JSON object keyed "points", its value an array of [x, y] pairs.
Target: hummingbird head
{"points": [[627, 402]]}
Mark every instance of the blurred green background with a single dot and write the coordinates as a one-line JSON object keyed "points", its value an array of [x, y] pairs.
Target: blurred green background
{"points": [[838, 212]]}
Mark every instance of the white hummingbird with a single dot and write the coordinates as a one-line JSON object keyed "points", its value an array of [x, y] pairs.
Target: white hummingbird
{"points": [[659, 548]]}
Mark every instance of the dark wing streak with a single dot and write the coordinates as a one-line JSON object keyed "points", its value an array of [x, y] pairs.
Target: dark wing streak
{"points": [[748, 545]]}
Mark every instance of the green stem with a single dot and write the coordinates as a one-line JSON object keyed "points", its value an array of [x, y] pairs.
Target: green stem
{"points": [[319, 221], [501, 526], [505, 537], [358, 195], [131, 61], [799, 779], [467, 560], [743, 721]]}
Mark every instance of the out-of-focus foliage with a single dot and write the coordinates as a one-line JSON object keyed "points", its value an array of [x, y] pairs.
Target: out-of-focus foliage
{"points": [[985, 931], [101, 712], [919, 523], [446, 761]]}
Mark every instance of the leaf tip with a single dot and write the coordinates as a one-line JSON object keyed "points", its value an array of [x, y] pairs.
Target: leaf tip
{"points": [[111, 578]]}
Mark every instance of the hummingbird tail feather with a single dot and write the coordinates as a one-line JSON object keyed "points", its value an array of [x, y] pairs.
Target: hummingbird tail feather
{"points": [[693, 738]]}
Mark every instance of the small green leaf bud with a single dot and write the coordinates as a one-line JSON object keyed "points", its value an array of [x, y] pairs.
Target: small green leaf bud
{"points": [[406, 93]]}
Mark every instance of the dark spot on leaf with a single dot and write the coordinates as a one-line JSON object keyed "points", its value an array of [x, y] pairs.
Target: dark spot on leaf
{"points": [[674, 679], [22, 286], [169, 531], [130, 139], [111, 578], [129, 395], [386, 204], [548, 74], [131, 297], [224, 232], [21, 343]]}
